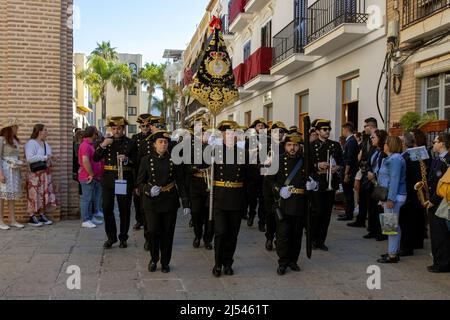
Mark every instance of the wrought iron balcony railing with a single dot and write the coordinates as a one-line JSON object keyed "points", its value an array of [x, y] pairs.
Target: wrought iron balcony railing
{"points": [[416, 10], [325, 15], [289, 40]]}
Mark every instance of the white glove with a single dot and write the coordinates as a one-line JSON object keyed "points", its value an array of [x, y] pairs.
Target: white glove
{"points": [[312, 185], [186, 211], [285, 192], [155, 191]]}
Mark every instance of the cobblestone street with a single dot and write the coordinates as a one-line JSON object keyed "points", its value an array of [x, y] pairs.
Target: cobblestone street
{"points": [[33, 264]]}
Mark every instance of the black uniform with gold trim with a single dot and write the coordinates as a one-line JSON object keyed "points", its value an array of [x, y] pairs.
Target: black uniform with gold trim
{"points": [[121, 146], [289, 230], [323, 200], [255, 185], [143, 149], [196, 180], [269, 200], [161, 210], [229, 201]]}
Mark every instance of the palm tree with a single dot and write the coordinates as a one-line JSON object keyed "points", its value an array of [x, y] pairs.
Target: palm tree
{"points": [[105, 51], [96, 77], [157, 105], [152, 76], [171, 95], [124, 80]]}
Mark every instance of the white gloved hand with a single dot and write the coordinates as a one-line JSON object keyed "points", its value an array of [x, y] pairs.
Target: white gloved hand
{"points": [[155, 191], [186, 211], [312, 185], [285, 192]]}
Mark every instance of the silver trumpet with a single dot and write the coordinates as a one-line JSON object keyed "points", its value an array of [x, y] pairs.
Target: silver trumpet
{"points": [[330, 173]]}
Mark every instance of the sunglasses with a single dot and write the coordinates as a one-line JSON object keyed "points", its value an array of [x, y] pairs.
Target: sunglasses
{"points": [[144, 126], [326, 129]]}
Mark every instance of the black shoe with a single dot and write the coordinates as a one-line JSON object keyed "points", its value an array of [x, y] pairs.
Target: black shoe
{"points": [[345, 218], [342, 215], [123, 244], [436, 269], [322, 247], [208, 246], [196, 243], [244, 217], [43, 219], [165, 269], [381, 238], [406, 253], [228, 271], [147, 246], [261, 228], [369, 236], [294, 267], [356, 224], [269, 245], [152, 266], [314, 246], [250, 221], [109, 243], [137, 226], [388, 259], [281, 270], [217, 271]]}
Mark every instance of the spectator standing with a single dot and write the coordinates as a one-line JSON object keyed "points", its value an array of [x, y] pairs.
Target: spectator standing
{"points": [[392, 175]]}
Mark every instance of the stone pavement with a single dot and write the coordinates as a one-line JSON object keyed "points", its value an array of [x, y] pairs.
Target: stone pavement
{"points": [[33, 264]]}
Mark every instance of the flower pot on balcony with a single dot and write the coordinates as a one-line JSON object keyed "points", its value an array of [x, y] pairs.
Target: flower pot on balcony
{"points": [[396, 132], [435, 126]]}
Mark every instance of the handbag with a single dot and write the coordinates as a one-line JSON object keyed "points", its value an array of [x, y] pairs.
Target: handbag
{"points": [[40, 165], [389, 223], [443, 187], [380, 193]]}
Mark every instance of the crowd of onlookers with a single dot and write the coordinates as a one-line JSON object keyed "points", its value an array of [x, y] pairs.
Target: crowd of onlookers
{"points": [[388, 182], [40, 190]]}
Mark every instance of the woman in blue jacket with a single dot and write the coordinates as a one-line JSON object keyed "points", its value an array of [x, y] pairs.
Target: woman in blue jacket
{"points": [[392, 175]]}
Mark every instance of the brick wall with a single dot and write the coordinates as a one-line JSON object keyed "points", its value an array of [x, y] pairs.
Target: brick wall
{"points": [[410, 95], [36, 83]]}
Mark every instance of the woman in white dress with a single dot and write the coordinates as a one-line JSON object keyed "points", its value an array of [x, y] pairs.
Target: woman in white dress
{"points": [[40, 191], [10, 181]]}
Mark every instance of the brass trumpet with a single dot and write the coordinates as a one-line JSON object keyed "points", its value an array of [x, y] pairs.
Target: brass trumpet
{"points": [[330, 172]]}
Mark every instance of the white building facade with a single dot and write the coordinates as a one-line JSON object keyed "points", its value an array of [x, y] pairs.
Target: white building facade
{"points": [[293, 58]]}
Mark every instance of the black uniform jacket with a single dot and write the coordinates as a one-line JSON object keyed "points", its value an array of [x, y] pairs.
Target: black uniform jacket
{"points": [[157, 170]]}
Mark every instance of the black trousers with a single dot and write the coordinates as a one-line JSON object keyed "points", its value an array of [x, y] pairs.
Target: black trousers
{"points": [[323, 202], [363, 206], [269, 201], [289, 239], [226, 230], [161, 227], [349, 197], [200, 217], [440, 241], [412, 224], [374, 226], [138, 208], [256, 198], [124, 203]]}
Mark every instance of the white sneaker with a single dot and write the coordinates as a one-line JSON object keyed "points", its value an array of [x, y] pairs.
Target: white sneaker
{"points": [[88, 225], [356, 211], [97, 221], [17, 225], [4, 226]]}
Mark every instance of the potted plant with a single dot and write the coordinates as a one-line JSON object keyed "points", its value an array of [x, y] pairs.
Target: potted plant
{"points": [[410, 121], [396, 130], [430, 123]]}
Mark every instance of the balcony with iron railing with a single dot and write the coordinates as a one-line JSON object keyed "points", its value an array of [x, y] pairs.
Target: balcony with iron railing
{"points": [[239, 19], [423, 18], [288, 48], [227, 34], [334, 23]]}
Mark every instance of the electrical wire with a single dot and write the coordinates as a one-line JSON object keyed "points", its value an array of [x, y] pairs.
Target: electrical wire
{"points": [[383, 71]]}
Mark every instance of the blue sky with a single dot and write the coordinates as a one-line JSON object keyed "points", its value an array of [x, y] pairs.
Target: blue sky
{"points": [[144, 27]]}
